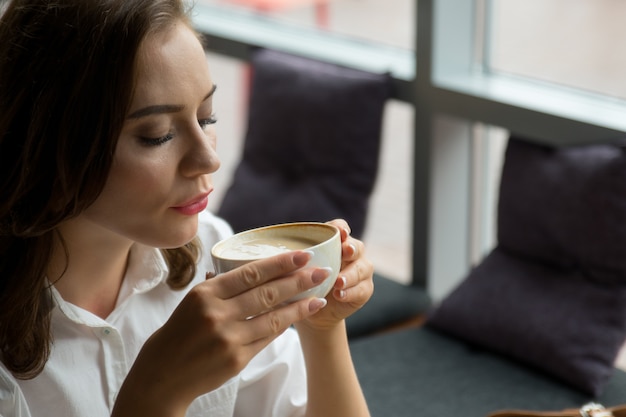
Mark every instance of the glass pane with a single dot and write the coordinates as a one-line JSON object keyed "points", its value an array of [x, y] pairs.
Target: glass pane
{"points": [[576, 43], [381, 21]]}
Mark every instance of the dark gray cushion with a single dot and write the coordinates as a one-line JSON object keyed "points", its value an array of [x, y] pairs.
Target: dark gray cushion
{"points": [[392, 303], [312, 145], [549, 318], [553, 292], [566, 207]]}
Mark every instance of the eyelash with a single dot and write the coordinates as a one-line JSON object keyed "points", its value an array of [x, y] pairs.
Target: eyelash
{"points": [[204, 123]]}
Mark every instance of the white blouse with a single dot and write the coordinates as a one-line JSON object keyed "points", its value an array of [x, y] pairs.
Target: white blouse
{"points": [[90, 356]]}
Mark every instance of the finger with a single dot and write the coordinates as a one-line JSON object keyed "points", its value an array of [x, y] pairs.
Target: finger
{"points": [[339, 289], [354, 273], [269, 325], [256, 273], [275, 293], [355, 284], [343, 227], [356, 295], [351, 250]]}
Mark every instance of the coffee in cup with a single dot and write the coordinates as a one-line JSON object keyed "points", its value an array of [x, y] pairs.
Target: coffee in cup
{"points": [[321, 239]]}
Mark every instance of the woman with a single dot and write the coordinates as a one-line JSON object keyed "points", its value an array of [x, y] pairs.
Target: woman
{"points": [[107, 148]]}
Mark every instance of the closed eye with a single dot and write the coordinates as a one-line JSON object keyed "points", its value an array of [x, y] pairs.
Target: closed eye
{"points": [[157, 141], [204, 123]]}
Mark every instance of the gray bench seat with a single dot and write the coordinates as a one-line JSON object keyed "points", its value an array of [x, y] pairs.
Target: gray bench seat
{"points": [[421, 372]]}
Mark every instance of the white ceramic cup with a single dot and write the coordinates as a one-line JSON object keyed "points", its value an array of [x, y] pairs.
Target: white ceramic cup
{"points": [[321, 239]]}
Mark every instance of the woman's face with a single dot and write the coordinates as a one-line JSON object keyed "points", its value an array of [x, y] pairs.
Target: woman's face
{"points": [[160, 178]]}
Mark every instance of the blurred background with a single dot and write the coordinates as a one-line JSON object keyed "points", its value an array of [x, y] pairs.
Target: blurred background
{"points": [[572, 45], [388, 228]]}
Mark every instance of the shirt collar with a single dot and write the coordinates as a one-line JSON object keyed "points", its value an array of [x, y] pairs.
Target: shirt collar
{"points": [[146, 270]]}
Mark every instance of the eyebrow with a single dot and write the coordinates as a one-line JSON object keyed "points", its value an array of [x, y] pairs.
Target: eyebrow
{"points": [[164, 108]]}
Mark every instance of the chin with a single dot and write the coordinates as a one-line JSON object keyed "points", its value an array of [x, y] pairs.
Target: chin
{"points": [[180, 236], [166, 233]]}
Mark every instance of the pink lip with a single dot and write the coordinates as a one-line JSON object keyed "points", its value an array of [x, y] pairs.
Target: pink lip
{"points": [[193, 206]]}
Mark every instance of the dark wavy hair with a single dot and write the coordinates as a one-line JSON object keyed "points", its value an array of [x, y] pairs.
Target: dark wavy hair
{"points": [[67, 71]]}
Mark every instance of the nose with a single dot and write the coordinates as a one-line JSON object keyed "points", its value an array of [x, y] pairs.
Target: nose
{"points": [[200, 156]]}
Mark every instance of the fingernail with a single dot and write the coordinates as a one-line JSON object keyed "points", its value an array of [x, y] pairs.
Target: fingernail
{"points": [[347, 230], [317, 304], [320, 274], [341, 294], [302, 257], [341, 282], [353, 247]]}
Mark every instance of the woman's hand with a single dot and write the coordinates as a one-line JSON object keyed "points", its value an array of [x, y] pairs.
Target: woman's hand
{"points": [[220, 325], [332, 383], [354, 285]]}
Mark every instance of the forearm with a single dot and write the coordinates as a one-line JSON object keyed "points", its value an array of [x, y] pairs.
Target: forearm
{"points": [[333, 386]]}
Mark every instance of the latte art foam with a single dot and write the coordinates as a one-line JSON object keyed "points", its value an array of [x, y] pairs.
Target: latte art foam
{"points": [[263, 248]]}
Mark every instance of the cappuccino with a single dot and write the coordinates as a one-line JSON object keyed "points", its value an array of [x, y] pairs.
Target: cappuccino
{"points": [[265, 247], [322, 240]]}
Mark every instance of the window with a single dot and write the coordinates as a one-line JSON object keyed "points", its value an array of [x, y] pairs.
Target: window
{"points": [[574, 43], [546, 69], [366, 20], [368, 34]]}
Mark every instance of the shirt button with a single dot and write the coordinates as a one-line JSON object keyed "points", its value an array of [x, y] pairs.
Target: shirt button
{"points": [[106, 331]]}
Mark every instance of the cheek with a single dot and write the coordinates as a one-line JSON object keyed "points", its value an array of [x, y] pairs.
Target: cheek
{"points": [[140, 176], [137, 181]]}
